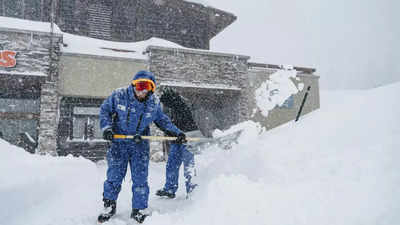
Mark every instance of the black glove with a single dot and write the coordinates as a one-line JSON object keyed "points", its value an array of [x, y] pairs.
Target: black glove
{"points": [[137, 138], [108, 134], [181, 138]]}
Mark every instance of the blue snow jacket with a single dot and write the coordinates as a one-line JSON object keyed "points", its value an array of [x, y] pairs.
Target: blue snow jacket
{"points": [[126, 115]]}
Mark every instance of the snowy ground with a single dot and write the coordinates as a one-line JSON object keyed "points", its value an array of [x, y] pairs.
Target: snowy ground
{"points": [[337, 166]]}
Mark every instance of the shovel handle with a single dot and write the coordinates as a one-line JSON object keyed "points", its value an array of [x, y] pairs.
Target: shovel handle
{"points": [[156, 138]]}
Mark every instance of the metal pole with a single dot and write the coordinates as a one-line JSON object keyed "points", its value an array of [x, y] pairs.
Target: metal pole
{"points": [[302, 104]]}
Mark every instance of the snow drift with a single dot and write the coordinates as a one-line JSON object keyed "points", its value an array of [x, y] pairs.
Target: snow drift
{"points": [[338, 165]]}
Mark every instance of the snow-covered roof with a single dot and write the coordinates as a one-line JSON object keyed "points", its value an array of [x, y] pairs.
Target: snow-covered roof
{"points": [[25, 73], [86, 45], [91, 46], [76, 44], [30, 25], [205, 3]]}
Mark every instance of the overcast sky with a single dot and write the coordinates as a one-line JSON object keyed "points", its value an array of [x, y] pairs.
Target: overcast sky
{"points": [[352, 44]]}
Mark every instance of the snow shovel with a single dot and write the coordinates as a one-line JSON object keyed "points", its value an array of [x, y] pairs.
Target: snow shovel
{"points": [[224, 142], [195, 145], [159, 138]]}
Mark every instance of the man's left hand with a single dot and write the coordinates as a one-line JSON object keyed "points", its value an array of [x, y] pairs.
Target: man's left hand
{"points": [[181, 138]]}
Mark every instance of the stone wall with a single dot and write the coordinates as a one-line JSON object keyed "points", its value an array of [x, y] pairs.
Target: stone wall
{"points": [[49, 99], [48, 119], [32, 51], [37, 57], [211, 81]]}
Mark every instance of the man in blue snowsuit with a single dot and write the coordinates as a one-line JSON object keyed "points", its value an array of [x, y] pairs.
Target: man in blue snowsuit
{"points": [[130, 111], [178, 153]]}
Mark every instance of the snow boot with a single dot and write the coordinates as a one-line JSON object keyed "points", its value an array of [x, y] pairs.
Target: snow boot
{"points": [[138, 216], [189, 190], [164, 193], [110, 208]]}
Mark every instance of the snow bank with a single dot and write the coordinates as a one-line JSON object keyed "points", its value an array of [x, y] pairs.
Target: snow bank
{"points": [[336, 166], [42, 189]]}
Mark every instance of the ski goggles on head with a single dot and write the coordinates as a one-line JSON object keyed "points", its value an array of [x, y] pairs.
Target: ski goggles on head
{"points": [[143, 84]]}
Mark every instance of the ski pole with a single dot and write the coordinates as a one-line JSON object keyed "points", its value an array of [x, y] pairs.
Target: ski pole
{"points": [[157, 138]]}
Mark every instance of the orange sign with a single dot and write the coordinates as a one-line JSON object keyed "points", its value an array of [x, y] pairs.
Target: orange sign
{"points": [[7, 58]]}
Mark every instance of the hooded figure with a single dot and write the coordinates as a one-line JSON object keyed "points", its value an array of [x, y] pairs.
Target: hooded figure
{"points": [[130, 111], [178, 153]]}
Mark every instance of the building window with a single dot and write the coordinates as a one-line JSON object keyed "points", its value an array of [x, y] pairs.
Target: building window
{"points": [[86, 124], [19, 116]]}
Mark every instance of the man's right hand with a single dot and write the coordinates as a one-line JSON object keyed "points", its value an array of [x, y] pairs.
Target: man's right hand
{"points": [[137, 138], [108, 134]]}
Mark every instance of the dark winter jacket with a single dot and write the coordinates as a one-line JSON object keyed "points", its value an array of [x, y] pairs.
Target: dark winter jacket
{"points": [[179, 112]]}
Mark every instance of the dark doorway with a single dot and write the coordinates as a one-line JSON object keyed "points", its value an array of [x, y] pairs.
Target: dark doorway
{"points": [[19, 108]]}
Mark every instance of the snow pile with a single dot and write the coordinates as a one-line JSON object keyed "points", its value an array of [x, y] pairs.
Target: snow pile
{"points": [[42, 189], [336, 166], [275, 91], [250, 129]]}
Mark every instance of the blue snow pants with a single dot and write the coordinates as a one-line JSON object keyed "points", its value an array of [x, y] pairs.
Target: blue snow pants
{"points": [[118, 156], [178, 153]]}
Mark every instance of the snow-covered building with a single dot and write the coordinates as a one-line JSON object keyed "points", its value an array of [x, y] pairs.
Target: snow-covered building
{"points": [[53, 83], [127, 20]]}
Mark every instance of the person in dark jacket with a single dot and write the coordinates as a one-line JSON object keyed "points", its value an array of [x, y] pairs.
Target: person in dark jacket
{"points": [[178, 153], [130, 111]]}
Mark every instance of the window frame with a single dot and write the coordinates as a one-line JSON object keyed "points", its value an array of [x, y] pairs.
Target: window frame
{"points": [[91, 114]]}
